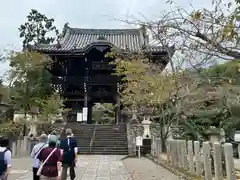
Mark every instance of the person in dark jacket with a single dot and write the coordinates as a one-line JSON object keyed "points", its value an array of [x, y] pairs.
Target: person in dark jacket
{"points": [[69, 151]]}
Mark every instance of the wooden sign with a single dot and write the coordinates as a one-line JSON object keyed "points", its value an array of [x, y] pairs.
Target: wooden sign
{"points": [[139, 141], [85, 114], [79, 117]]}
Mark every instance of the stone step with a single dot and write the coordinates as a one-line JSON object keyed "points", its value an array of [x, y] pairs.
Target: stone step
{"points": [[110, 135], [110, 139], [109, 132], [109, 153], [110, 142], [83, 136], [99, 148], [110, 145]]}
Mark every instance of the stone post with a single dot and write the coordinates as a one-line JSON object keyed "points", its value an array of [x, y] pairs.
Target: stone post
{"points": [[217, 157], [190, 157], [197, 154], [130, 144], [174, 152], [185, 155], [153, 147], [239, 151], [171, 152], [179, 153], [14, 149], [207, 161], [129, 138], [134, 145], [23, 152], [25, 145], [158, 142], [228, 152], [168, 151]]}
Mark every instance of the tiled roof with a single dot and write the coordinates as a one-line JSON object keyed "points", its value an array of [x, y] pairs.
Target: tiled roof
{"points": [[77, 39]]}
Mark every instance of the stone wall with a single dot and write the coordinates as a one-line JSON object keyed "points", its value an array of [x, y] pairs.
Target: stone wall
{"points": [[22, 147]]}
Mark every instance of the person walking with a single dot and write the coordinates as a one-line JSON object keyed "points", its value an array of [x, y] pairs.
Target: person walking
{"points": [[50, 158], [69, 150], [5, 159], [35, 151]]}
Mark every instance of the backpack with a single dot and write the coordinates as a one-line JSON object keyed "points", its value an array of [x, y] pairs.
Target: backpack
{"points": [[68, 152], [3, 165]]}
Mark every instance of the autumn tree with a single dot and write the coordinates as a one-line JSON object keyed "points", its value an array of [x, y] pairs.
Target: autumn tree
{"points": [[39, 29], [144, 87], [202, 36], [140, 76]]}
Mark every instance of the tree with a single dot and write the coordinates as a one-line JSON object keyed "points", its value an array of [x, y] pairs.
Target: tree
{"points": [[24, 88], [214, 103], [146, 88], [37, 28], [103, 113], [211, 33], [30, 84], [143, 83], [51, 109]]}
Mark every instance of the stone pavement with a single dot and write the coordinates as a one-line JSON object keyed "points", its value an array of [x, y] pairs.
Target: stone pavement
{"points": [[145, 169], [102, 167]]}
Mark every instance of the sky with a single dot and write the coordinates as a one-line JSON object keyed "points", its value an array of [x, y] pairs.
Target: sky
{"points": [[79, 14]]}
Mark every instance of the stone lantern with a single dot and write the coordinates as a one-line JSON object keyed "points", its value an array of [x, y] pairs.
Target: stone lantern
{"points": [[33, 122], [146, 123], [146, 128], [214, 134]]}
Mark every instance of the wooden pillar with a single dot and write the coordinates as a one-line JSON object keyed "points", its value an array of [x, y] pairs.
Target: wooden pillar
{"points": [[89, 118], [85, 85], [118, 103], [85, 96]]}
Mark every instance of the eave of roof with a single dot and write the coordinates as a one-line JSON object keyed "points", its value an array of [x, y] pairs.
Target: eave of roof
{"points": [[80, 40]]}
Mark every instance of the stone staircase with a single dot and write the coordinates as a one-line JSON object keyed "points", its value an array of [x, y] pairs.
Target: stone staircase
{"points": [[110, 139], [83, 134], [100, 139]]}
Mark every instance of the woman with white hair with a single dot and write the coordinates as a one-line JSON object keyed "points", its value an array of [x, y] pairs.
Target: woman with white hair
{"points": [[35, 151]]}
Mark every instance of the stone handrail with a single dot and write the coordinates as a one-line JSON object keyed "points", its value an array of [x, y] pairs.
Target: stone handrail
{"points": [[92, 139]]}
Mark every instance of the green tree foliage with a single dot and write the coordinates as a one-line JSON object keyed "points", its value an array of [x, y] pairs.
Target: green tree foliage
{"points": [[143, 83], [3, 92], [26, 80], [103, 113], [11, 129], [145, 88], [30, 84], [214, 103], [191, 101], [51, 108], [37, 29]]}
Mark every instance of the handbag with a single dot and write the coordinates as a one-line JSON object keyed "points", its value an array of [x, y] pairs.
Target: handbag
{"points": [[41, 166]]}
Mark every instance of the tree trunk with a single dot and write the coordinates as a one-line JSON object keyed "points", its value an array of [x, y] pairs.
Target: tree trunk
{"points": [[24, 124], [163, 145]]}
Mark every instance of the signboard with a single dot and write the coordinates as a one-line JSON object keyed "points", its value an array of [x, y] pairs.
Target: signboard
{"points": [[85, 114], [79, 117], [139, 141], [237, 136]]}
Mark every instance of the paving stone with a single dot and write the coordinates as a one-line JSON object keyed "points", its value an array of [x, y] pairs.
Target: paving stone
{"points": [[102, 167]]}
